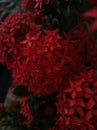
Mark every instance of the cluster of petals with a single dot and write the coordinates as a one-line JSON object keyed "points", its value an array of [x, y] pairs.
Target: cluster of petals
{"points": [[46, 62], [77, 104]]}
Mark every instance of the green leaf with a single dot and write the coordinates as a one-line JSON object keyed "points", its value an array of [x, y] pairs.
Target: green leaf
{"points": [[21, 91]]}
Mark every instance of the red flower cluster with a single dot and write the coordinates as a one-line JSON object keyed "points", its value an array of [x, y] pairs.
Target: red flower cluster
{"points": [[13, 30], [77, 104], [47, 62], [43, 59]]}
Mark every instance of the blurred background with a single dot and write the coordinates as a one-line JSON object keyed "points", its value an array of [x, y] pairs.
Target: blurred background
{"points": [[8, 7]]}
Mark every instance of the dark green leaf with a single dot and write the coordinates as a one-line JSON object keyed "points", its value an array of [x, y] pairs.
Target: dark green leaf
{"points": [[21, 91]]}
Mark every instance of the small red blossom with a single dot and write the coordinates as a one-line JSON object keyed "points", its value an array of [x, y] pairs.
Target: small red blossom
{"points": [[74, 88]]}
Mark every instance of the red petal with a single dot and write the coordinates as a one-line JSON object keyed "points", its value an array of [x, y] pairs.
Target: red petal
{"points": [[94, 25], [68, 90], [95, 84], [80, 103], [88, 91], [71, 111], [72, 103], [73, 94], [88, 115], [91, 13], [90, 104], [80, 111]]}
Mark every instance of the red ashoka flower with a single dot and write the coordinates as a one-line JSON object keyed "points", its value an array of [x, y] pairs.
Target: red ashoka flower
{"points": [[80, 114]]}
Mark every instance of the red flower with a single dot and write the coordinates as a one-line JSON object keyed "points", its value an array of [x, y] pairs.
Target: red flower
{"points": [[74, 88]]}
